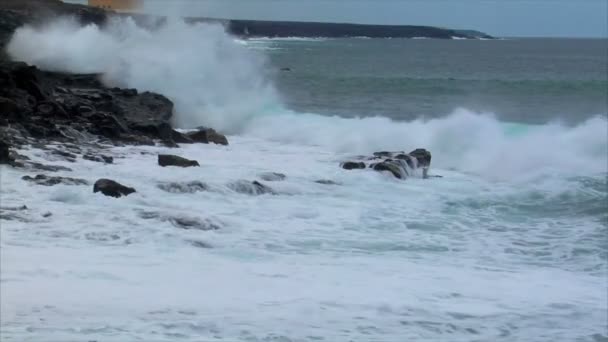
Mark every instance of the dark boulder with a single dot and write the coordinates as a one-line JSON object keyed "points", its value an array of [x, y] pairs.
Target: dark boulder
{"points": [[111, 188], [50, 181], [350, 165], [272, 176], [207, 135], [171, 160]]}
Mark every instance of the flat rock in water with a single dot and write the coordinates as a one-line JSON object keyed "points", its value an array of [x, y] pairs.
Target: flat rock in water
{"points": [[111, 188], [51, 180], [171, 160]]}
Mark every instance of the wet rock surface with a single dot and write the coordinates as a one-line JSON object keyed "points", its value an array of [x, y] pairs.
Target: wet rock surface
{"points": [[172, 160], [206, 136], [112, 188], [398, 164]]}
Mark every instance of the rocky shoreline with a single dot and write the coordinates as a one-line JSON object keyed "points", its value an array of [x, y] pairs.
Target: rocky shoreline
{"points": [[75, 116]]}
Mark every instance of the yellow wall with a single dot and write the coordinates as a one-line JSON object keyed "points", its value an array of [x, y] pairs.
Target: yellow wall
{"points": [[118, 5]]}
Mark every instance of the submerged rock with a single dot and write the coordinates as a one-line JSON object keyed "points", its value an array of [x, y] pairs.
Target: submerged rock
{"points": [[99, 158], [193, 223], [43, 167], [208, 135], [111, 188], [188, 187], [182, 222], [50, 180], [171, 160], [327, 182], [272, 176], [251, 188]]}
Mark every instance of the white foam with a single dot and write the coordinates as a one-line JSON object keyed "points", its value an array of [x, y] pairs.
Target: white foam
{"points": [[212, 79]]}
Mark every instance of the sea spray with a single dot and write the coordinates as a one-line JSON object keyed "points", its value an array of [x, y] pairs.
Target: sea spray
{"points": [[212, 79]]}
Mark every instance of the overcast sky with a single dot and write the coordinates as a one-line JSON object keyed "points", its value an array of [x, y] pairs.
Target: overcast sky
{"points": [[546, 18]]}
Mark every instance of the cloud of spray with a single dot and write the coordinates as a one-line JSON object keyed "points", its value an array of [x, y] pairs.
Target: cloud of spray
{"points": [[213, 80]]}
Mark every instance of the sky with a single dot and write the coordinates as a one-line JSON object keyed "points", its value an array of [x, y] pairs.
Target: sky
{"points": [[504, 18]]}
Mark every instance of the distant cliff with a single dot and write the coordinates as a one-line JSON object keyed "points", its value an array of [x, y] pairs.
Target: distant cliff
{"points": [[255, 28], [14, 13]]}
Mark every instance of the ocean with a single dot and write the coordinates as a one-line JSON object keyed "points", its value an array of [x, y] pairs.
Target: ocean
{"points": [[509, 245]]}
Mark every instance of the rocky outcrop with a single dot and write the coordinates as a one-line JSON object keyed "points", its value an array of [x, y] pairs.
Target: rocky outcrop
{"points": [[52, 180], [171, 160], [399, 164], [207, 135], [73, 108], [111, 188]]}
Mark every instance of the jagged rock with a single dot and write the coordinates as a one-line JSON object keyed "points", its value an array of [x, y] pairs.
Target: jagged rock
{"points": [[5, 155], [399, 164], [251, 188], [350, 165], [189, 187], [50, 181], [99, 158], [111, 188], [272, 176], [171, 160], [208, 135]]}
